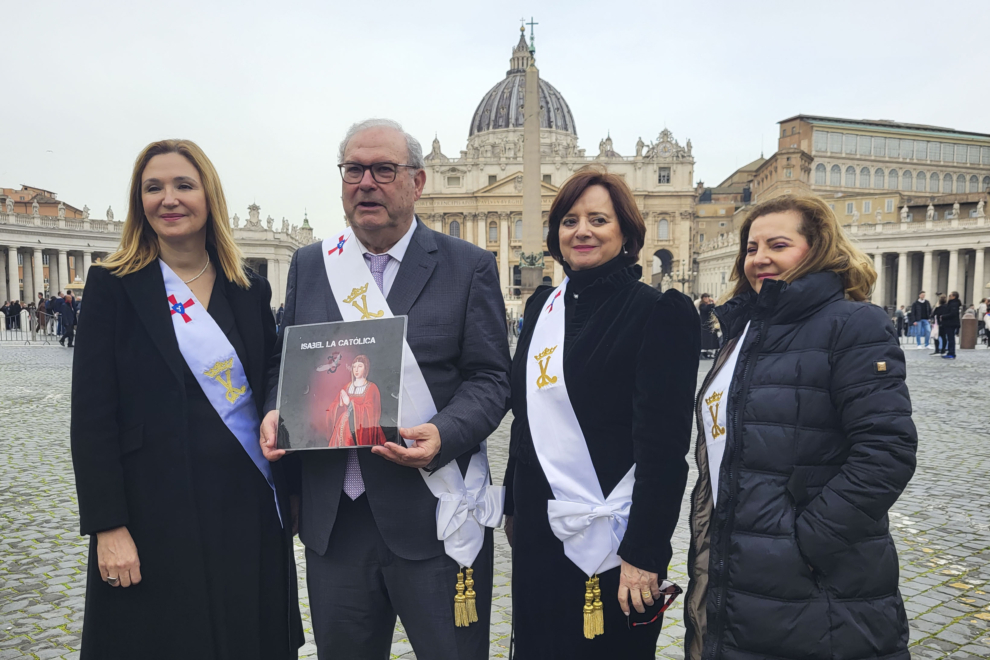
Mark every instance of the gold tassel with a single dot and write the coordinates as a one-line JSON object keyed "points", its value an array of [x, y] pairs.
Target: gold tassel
{"points": [[589, 611], [599, 614], [470, 596], [460, 607]]}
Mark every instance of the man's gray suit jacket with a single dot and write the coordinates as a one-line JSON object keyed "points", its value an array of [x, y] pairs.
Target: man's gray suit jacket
{"points": [[449, 290]]}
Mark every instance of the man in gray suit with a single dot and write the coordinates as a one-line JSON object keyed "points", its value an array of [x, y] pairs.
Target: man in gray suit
{"points": [[367, 518]]}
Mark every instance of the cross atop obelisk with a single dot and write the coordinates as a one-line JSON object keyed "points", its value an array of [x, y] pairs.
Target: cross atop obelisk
{"points": [[532, 37]]}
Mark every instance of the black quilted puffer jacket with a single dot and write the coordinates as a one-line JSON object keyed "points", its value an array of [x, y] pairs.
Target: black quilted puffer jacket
{"points": [[796, 561]]}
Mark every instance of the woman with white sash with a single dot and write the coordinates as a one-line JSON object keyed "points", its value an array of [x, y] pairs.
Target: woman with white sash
{"points": [[190, 544], [603, 383]]}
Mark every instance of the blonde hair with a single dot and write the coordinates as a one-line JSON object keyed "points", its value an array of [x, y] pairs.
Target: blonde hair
{"points": [[830, 248], [139, 242]]}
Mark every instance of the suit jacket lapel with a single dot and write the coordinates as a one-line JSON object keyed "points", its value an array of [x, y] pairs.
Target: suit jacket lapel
{"points": [[415, 270], [146, 289]]}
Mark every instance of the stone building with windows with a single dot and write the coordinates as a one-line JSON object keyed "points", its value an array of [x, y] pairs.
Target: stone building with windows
{"points": [[911, 196], [477, 195], [47, 246]]}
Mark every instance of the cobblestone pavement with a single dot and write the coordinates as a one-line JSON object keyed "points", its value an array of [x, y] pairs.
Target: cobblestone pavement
{"points": [[941, 523]]}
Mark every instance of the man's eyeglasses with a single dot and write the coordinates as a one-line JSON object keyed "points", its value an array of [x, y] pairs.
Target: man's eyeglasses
{"points": [[380, 172]]}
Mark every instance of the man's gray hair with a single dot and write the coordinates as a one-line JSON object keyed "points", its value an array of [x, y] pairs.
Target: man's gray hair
{"points": [[415, 149]]}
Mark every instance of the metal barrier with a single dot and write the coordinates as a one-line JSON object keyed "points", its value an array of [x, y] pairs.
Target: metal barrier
{"points": [[24, 328]]}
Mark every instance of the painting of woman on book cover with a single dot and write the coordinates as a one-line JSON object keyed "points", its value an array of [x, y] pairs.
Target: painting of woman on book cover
{"points": [[353, 416]]}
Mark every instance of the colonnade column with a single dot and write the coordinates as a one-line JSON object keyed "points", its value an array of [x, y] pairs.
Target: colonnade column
{"points": [[15, 287], [979, 277], [275, 280], [3, 276], [468, 228], [503, 252], [63, 270], [28, 276], [902, 279], [54, 286], [878, 287], [953, 284], [39, 275], [926, 275], [87, 262]]}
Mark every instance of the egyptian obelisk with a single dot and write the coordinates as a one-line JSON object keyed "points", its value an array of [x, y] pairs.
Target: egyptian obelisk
{"points": [[531, 255]]}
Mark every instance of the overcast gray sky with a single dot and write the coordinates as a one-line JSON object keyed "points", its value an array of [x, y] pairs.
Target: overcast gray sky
{"points": [[268, 89]]}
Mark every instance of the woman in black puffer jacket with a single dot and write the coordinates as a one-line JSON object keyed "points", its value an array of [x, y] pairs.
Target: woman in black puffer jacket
{"points": [[805, 442]]}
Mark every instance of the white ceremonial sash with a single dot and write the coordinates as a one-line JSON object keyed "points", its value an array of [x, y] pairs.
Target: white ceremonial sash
{"points": [[590, 525], [214, 362], [465, 505]]}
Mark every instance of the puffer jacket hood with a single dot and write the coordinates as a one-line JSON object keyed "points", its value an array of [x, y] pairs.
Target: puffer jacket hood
{"points": [[796, 561]]}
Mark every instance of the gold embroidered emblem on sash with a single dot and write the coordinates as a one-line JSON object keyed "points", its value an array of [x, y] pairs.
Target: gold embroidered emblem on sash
{"points": [[543, 359], [220, 372], [352, 299], [713, 403]]}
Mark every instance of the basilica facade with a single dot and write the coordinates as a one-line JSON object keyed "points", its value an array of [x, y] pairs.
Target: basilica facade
{"points": [[477, 196]]}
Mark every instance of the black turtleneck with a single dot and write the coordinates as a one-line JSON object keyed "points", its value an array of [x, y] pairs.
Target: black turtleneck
{"points": [[581, 280]]}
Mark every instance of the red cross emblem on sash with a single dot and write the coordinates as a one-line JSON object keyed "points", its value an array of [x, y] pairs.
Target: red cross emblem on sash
{"points": [[180, 308], [340, 246], [550, 306]]}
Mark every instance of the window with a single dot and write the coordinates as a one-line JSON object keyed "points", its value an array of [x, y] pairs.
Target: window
{"points": [[546, 178], [793, 130], [878, 147], [701, 238], [20, 258], [788, 173], [453, 181], [933, 180], [517, 234], [849, 208], [889, 207], [864, 178], [947, 183], [985, 155], [934, 151], [907, 148], [974, 184], [867, 206], [455, 229], [947, 153], [974, 155], [864, 145], [821, 141], [878, 178], [835, 176], [664, 176], [849, 144], [850, 177], [832, 206], [892, 180], [893, 148], [920, 179], [921, 150], [546, 231], [819, 175], [835, 142], [492, 232], [44, 259], [960, 153], [907, 180], [721, 212], [961, 183], [492, 178], [663, 230], [986, 183]]}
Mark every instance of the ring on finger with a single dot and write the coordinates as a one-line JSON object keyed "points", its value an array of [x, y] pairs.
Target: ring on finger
{"points": [[646, 593], [113, 581]]}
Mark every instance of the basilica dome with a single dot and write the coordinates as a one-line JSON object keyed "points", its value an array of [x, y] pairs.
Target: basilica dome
{"points": [[501, 107]]}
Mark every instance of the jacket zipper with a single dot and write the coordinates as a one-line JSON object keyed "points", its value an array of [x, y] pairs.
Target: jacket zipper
{"points": [[743, 392]]}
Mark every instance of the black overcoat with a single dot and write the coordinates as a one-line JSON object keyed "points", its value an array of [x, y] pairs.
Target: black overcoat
{"points": [[796, 560], [130, 449]]}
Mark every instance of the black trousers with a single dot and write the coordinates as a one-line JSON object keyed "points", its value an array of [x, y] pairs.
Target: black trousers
{"points": [[70, 334], [950, 340], [358, 586]]}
